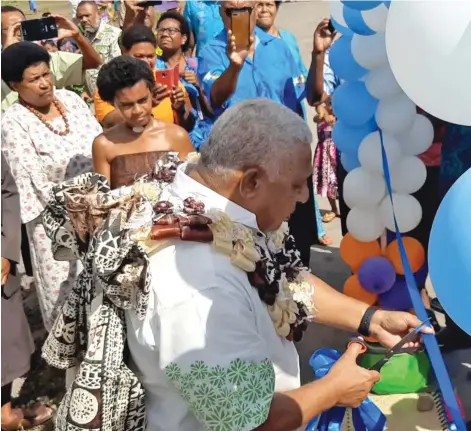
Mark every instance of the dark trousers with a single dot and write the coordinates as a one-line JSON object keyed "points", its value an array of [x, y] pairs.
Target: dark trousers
{"points": [[303, 226]]}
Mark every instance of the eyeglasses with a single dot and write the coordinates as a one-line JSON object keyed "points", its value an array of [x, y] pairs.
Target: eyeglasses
{"points": [[171, 31], [230, 11]]}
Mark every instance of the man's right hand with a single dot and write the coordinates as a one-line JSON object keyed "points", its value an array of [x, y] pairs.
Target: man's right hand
{"points": [[13, 35], [323, 38], [236, 57], [352, 383], [66, 28]]}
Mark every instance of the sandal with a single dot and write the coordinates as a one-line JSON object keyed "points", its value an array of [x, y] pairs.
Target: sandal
{"points": [[326, 240], [328, 217]]}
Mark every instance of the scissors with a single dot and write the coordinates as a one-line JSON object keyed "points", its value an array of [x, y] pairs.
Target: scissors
{"points": [[398, 348]]}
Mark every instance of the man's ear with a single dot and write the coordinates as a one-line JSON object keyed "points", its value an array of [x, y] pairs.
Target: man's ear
{"points": [[251, 182]]}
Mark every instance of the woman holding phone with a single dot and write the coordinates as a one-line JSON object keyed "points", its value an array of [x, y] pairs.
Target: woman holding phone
{"points": [[170, 105], [131, 149]]}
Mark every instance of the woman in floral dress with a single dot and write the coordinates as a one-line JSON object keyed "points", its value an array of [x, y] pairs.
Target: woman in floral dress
{"points": [[46, 138]]}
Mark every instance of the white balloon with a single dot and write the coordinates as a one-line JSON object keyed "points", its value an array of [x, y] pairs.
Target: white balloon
{"points": [[407, 210], [418, 138], [422, 57], [381, 83], [370, 154], [369, 51], [407, 175], [395, 114], [336, 10], [376, 18], [365, 224], [362, 188]]}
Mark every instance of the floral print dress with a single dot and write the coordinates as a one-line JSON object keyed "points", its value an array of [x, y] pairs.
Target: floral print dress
{"points": [[39, 159]]}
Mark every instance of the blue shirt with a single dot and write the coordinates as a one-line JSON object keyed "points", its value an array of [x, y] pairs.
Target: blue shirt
{"points": [[205, 21], [272, 73], [290, 40]]}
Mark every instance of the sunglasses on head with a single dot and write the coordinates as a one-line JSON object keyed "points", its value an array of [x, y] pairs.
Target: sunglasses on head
{"points": [[230, 11]]}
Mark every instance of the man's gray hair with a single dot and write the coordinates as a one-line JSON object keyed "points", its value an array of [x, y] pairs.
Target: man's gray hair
{"points": [[255, 132]]}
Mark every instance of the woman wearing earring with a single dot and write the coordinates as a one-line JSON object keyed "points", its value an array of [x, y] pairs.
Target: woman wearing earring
{"points": [[47, 137]]}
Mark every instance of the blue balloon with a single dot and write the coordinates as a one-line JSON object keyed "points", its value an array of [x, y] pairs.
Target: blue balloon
{"points": [[348, 139], [362, 4], [352, 103], [377, 275], [342, 61], [397, 298], [345, 31], [355, 22], [349, 161], [449, 253]]}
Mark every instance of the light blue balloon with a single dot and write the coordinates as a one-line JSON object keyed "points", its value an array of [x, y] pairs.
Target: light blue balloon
{"points": [[449, 253], [349, 161], [342, 61], [355, 22], [345, 31], [352, 103], [362, 4], [348, 139]]}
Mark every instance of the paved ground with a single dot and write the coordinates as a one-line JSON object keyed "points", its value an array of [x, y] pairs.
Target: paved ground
{"points": [[301, 18]]}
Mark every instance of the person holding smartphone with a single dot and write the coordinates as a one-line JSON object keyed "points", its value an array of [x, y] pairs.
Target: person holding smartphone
{"points": [[245, 62], [66, 68]]}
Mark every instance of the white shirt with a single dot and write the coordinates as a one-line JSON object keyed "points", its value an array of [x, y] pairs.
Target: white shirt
{"points": [[207, 352]]}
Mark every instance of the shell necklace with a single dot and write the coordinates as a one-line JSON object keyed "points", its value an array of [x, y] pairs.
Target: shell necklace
{"points": [[43, 119]]}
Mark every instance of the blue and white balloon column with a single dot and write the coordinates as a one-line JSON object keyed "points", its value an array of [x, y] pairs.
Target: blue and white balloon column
{"points": [[370, 100], [380, 134]]}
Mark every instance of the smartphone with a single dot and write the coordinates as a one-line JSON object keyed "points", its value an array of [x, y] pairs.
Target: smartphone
{"points": [[240, 26], [39, 29], [168, 77], [149, 3], [331, 27]]}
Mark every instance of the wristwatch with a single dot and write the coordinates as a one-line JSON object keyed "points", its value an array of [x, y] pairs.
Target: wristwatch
{"points": [[364, 328]]}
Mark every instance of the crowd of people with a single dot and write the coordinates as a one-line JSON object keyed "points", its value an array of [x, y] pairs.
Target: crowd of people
{"points": [[90, 113]]}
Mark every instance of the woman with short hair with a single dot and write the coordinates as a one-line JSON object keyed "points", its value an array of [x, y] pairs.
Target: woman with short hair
{"points": [[131, 148], [47, 138], [173, 38]]}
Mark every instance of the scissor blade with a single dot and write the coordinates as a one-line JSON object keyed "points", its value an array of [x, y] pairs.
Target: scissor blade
{"points": [[409, 337]]}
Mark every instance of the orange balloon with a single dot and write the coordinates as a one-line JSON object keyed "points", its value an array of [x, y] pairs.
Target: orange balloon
{"points": [[414, 251], [353, 289], [354, 252]]}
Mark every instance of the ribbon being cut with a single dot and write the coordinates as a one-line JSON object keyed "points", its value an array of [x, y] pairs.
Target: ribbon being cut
{"points": [[380, 135]]}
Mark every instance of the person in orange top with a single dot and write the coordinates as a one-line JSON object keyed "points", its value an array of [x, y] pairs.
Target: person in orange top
{"points": [[170, 105]]}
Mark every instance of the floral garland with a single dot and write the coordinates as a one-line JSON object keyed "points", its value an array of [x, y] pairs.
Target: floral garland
{"points": [[275, 271]]}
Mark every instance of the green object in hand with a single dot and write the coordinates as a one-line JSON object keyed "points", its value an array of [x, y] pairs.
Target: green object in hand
{"points": [[402, 374]]}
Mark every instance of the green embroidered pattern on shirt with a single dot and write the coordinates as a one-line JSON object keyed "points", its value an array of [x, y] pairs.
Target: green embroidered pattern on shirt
{"points": [[234, 398]]}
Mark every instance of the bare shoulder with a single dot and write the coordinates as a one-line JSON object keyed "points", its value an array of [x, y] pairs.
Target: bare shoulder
{"points": [[180, 139]]}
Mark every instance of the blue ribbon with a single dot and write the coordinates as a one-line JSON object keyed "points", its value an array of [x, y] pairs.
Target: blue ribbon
{"points": [[367, 417], [435, 356]]}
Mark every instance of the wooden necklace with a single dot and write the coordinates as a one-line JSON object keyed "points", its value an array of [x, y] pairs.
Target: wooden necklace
{"points": [[43, 119]]}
